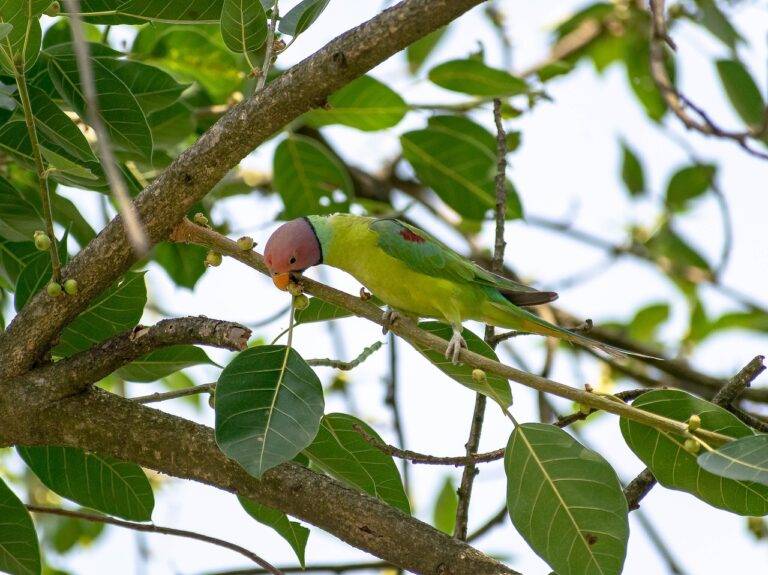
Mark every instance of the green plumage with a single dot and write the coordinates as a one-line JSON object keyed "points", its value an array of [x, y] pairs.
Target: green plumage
{"points": [[419, 276]]}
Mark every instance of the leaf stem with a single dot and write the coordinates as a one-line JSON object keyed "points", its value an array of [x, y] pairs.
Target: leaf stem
{"points": [[42, 174]]}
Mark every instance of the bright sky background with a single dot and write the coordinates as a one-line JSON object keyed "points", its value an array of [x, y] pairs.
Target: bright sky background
{"points": [[567, 167]]}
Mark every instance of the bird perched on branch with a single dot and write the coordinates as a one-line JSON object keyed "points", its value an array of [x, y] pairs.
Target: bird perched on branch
{"points": [[413, 273]]}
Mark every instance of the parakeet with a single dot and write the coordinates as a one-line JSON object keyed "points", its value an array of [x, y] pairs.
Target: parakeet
{"points": [[413, 273]]}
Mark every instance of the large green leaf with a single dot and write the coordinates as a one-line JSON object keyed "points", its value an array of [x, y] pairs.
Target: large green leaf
{"points": [[164, 362], [171, 125], [243, 25], [676, 468], [646, 322], [745, 459], [636, 58], [19, 550], [268, 407], [446, 504], [18, 218], [103, 483], [457, 159], [687, 184], [714, 20], [153, 88], [742, 91], [309, 178], [302, 16], [179, 11], [193, 54], [632, 171], [55, 126], [471, 76], [566, 501], [14, 257], [418, 52], [342, 452], [121, 112], [185, 264], [60, 33], [21, 43], [319, 310], [365, 104], [294, 533], [495, 387], [117, 310]]}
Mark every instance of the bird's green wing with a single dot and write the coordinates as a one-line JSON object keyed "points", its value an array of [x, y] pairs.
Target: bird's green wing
{"points": [[423, 253]]}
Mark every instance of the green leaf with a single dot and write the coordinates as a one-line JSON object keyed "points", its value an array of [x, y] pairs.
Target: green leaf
{"points": [[185, 264], [632, 171], [21, 43], [171, 125], [14, 257], [36, 274], [193, 54], [309, 178], [554, 69], [293, 532], [745, 459], [566, 501], [121, 112], [688, 184], [714, 20], [302, 16], [65, 533], [268, 407], [55, 126], [178, 11], [103, 483], [19, 550], [444, 510], [164, 362], [675, 468], [418, 52], [60, 33], [364, 103], [666, 242], [342, 452], [18, 218], [66, 213], [636, 58], [319, 310], [457, 159], [495, 387], [61, 164], [475, 78], [117, 310], [243, 25], [647, 321], [742, 91], [153, 88]]}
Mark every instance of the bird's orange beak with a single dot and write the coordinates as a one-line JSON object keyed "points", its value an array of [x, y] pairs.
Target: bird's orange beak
{"points": [[281, 281]]}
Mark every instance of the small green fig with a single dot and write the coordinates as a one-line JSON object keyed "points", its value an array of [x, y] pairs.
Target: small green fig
{"points": [[53, 289], [213, 259], [70, 286], [300, 301], [42, 241]]}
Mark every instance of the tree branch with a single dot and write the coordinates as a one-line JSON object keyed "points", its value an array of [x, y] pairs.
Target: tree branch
{"points": [[165, 201], [151, 528]]}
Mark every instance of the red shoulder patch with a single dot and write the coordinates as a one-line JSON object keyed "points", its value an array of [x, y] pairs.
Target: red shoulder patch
{"points": [[410, 236]]}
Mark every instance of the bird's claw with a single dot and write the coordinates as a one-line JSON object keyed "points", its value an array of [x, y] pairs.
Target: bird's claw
{"points": [[389, 318], [455, 346]]}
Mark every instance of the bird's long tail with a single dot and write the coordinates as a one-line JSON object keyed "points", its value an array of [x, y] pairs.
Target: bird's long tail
{"points": [[513, 317]]}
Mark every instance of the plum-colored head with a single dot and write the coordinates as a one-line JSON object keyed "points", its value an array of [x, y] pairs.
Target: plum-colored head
{"points": [[293, 247]]}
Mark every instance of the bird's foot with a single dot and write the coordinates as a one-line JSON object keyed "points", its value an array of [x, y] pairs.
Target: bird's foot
{"points": [[389, 318], [454, 347]]}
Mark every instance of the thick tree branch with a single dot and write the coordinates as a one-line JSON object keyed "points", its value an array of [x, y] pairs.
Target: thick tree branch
{"points": [[74, 374], [165, 201], [104, 423]]}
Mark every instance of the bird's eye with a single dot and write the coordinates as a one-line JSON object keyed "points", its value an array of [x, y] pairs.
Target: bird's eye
{"points": [[292, 260]]}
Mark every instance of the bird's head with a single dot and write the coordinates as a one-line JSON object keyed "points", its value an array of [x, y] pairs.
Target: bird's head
{"points": [[293, 247]]}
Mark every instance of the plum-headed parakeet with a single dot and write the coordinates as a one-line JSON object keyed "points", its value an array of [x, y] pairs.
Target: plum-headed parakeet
{"points": [[413, 273]]}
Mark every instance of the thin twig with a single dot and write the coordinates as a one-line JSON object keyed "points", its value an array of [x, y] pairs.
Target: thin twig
{"points": [[678, 102], [268, 52], [127, 210], [739, 382], [151, 528], [391, 401], [478, 415], [319, 568], [165, 396], [42, 175], [346, 365]]}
